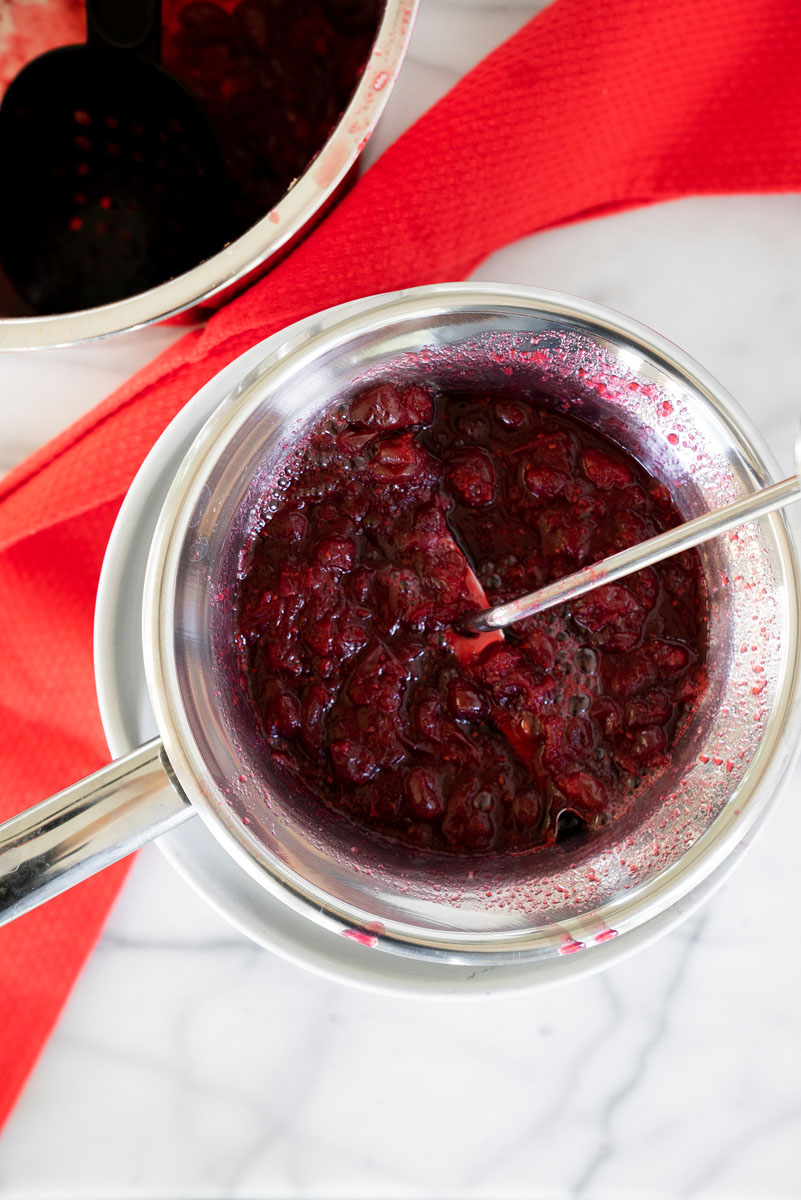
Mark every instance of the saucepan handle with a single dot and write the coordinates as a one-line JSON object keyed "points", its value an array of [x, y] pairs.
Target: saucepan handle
{"points": [[77, 832]]}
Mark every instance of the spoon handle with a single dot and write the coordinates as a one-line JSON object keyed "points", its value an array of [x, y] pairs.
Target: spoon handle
{"points": [[644, 554]]}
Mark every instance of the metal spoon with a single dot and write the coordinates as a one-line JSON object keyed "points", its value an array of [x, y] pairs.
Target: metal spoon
{"points": [[644, 554]]}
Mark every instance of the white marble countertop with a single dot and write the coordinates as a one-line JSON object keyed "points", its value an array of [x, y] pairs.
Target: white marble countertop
{"points": [[189, 1063]]}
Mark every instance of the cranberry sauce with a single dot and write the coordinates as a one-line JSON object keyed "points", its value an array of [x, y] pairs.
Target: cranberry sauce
{"points": [[273, 77], [349, 591]]}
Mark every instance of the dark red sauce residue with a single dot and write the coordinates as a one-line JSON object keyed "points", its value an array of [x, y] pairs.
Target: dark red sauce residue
{"points": [[273, 77], [350, 588]]}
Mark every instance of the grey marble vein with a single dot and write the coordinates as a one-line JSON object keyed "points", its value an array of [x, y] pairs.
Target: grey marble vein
{"points": [[637, 1077]]}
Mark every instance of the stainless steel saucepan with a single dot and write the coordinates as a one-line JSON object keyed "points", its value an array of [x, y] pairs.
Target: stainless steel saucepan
{"points": [[235, 265], [725, 772]]}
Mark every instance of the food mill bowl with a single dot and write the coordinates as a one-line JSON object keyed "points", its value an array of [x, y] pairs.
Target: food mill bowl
{"points": [[217, 278]]}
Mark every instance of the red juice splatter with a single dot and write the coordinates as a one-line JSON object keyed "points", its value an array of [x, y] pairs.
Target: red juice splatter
{"points": [[570, 946]]}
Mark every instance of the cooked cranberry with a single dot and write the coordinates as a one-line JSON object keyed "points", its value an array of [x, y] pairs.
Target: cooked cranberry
{"points": [[645, 586], [545, 482], [352, 762], [444, 573], [605, 470], [654, 708], [524, 686], [465, 701], [580, 735], [556, 751], [508, 414], [675, 580], [565, 531], [379, 802], [636, 498], [427, 715], [646, 741], [528, 809], [432, 520], [398, 592], [595, 610], [379, 729], [379, 679], [540, 649], [316, 702], [350, 636], [349, 594], [281, 714], [497, 663], [555, 448], [423, 796], [625, 675], [283, 657], [379, 408], [473, 427], [419, 406], [468, 825], [471, 476], [584, 792], [339, 553], [606, 715], [318, 634], [409, 650], [668, 657], [294, 579], [397, 458], [289, 525], [641, 750], [384, 408], [357, 585], [354, 442]]}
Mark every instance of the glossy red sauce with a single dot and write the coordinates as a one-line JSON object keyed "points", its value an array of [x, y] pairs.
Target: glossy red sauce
{"points": [[273, 77], [350, 589]]}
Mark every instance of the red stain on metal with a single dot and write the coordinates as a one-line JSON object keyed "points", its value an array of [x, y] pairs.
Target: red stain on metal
{"points": [[332, 160], [364, 939]]}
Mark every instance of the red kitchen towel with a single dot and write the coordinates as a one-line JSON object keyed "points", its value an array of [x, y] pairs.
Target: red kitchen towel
{"points": [[595, 106]]}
